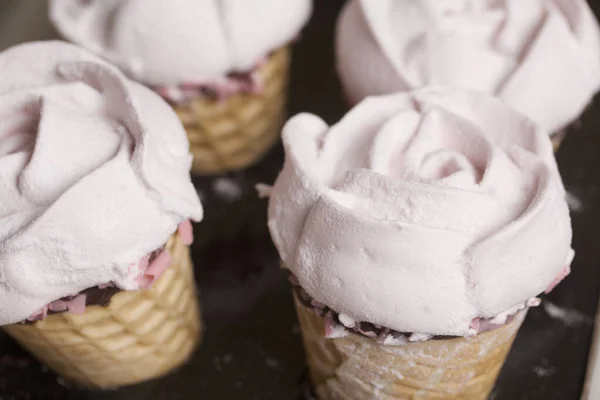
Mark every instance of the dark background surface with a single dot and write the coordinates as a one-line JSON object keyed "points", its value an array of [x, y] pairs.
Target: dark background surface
{"points": [[252, 348]]}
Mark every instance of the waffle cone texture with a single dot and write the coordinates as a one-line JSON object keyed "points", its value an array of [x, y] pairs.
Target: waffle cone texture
{"points": [[358, 368], [234, 133], [139, 336]]}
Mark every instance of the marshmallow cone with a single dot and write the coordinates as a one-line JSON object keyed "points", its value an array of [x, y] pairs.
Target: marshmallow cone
{"points": [[359, 368], [234, 133], [141, 335]]}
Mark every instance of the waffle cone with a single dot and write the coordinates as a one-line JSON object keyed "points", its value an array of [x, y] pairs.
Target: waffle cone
{"points": [[234, 133], [139, 336], [358, 368]]}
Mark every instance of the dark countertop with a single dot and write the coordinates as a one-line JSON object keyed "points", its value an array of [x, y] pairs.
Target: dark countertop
{"points": [[252, 348]]}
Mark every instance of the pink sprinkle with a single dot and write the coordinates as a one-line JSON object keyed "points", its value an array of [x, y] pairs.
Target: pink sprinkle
{"points": [[160, 264], [58, 306], [261, 61], [132, 269], [316, 304], [156, 269], [333, 330], [142, 266], [561, 275], [77, 304], [105, 285], [186, 94], [191, 86], [475, 324], [242, 82], [39, 315], [186, 232], [163, 91]]}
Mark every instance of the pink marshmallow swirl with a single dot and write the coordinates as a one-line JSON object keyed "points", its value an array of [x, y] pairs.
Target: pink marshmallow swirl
{"points": [[421, 212], [94, 175], [181, 42], [540, 56]]}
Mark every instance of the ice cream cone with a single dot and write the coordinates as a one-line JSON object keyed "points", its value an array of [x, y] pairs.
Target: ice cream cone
{"points": [[139, 336], [234, 133], [359, 368]]}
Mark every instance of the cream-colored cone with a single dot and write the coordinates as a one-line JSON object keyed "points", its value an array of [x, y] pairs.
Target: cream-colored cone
{"points": [[358, 368], [234, 133], [139, 336]]}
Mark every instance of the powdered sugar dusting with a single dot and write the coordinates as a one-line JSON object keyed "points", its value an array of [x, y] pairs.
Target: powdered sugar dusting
{"points": [[358, 367]]}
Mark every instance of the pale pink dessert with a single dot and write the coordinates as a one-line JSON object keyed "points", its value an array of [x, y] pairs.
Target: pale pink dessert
{"points": [[540, 56], [222, 64], [430, 213], [94, 180], [417, 232], [184, 48]]}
